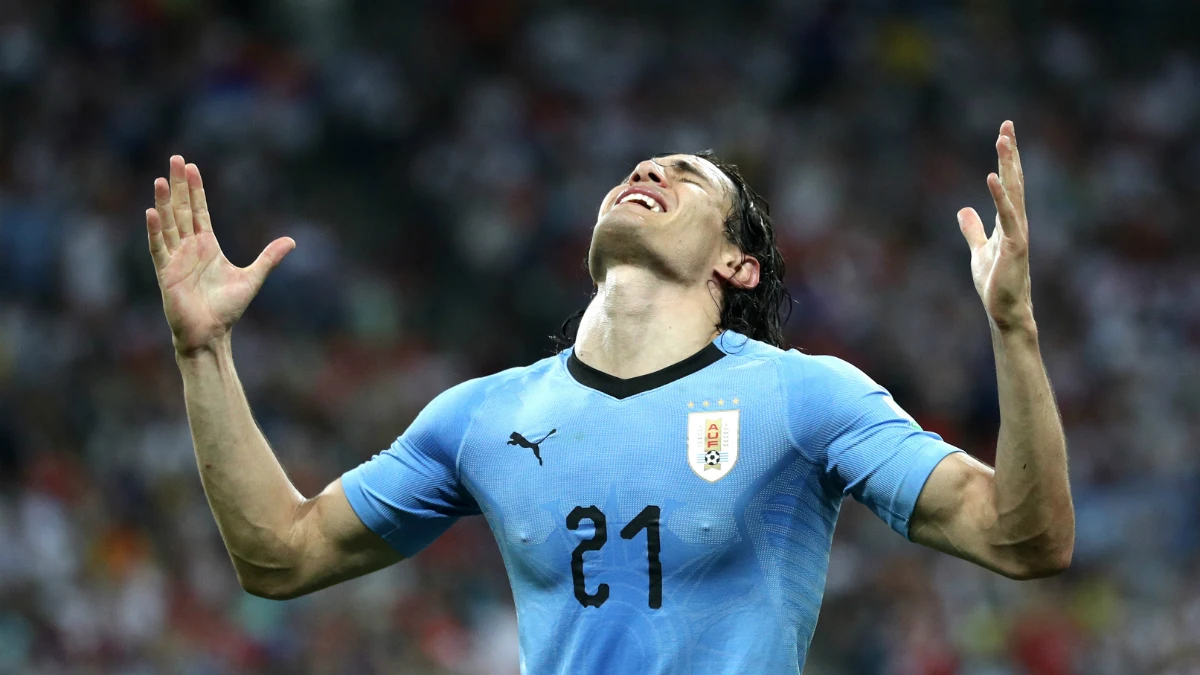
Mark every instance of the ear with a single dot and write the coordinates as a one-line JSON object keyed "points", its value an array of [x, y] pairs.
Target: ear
{"points": [[739, 270]]}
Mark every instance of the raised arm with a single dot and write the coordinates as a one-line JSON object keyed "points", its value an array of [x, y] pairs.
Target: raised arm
{"points": [[1018, 518], [282, 544]]}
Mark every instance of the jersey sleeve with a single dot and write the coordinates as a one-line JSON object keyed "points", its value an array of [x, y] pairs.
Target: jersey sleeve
{"points": [[863, 440], [410, 493]]}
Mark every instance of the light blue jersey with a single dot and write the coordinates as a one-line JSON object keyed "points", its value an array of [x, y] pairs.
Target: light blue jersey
{"points": [[678, 522]]}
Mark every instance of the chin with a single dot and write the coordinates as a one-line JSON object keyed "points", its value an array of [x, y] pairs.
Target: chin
{"points": [[623, 217], [621, 239]]}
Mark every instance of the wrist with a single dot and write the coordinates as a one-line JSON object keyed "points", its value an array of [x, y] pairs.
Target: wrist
{"points": [[215, 348], [1015, 329]]}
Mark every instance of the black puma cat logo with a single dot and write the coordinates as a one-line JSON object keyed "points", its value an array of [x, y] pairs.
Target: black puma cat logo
{"points": [[535, 446]]}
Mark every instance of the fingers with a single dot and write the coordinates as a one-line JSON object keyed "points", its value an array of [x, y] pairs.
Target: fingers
{"points": [[199, 203], [1007, 219], [971, 227], [166, 217], [1008, 192], [158, 246], [270, 258], [1010, 130], [181, 201], [1012, 176]]}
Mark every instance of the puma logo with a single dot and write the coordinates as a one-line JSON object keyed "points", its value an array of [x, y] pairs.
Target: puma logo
{"points": [[535, 446]]}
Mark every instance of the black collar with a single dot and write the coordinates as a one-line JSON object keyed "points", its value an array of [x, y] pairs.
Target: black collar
{"points": [[623, 388]]}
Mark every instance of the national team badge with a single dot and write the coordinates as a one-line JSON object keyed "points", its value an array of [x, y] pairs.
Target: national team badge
{"points": [[712, 447]]}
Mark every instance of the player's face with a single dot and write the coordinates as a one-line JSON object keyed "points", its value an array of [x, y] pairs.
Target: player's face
{"points": [[669, 214]]}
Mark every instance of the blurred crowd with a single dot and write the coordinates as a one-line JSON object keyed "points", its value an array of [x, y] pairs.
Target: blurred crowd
{"points": [[440, 165]]}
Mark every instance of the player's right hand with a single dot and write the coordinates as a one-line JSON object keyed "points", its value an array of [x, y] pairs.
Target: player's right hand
{"points": [[203, 293]]}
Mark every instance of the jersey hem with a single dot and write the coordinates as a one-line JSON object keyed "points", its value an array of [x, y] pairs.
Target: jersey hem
{"points": [[369, 515], [914, 481]]}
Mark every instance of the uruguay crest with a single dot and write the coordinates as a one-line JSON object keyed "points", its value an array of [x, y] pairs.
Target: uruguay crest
{"points": [[712, 447]]}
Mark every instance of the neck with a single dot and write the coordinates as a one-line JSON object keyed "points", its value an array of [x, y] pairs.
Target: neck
{"points": [[637, 323]]}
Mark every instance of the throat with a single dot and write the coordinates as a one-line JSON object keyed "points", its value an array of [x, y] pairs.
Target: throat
{"points": [[636, 325]]}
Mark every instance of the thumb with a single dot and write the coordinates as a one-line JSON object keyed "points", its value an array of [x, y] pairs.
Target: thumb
{"points": [[270, 258], [971, 227]]}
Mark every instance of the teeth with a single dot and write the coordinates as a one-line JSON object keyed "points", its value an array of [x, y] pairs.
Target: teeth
{"points": [[643, 200]]}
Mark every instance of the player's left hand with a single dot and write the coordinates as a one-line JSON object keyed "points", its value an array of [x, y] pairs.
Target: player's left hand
{"points": [[1000, 263]]}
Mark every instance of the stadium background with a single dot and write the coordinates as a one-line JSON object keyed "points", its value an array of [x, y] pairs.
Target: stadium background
{"points": [[440, 164]]}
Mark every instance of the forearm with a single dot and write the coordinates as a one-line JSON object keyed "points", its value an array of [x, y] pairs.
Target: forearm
{"points": [[1016, 519], [251, 497], [281, 544], [1035, 520]]}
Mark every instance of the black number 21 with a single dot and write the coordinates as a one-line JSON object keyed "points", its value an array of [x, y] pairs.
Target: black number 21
{"points": [[646, 520]]}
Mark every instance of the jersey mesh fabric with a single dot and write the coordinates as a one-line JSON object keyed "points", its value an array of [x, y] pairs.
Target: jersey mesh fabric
{"points": [[743, 557]]}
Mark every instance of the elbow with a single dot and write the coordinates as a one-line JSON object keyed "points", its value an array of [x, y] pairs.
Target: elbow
{"points": [[271, 593], [1039, 569], [1047, 561], [271, 583], [269, 566], [269, 586], [1040, 551]]}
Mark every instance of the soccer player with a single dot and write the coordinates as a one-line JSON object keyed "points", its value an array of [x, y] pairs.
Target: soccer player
{"points": [[663, 492]]}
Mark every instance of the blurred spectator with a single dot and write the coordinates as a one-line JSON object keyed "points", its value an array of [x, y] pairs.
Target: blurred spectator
{"points": [[439, 165]]}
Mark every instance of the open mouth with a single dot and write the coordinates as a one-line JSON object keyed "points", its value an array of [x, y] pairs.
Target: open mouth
{"points": [[642, 198]]}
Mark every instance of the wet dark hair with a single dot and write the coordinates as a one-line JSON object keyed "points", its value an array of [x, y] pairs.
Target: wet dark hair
{"points": [[760, 312]]}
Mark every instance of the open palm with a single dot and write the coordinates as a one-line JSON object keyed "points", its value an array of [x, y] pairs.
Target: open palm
{"points": [[203, 293], [1000, 262]]}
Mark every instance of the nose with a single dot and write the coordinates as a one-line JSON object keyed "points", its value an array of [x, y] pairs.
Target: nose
{"points": [[648, 172]]}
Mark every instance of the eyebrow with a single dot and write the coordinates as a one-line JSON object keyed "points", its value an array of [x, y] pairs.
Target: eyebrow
{"points": [[687, 167]]}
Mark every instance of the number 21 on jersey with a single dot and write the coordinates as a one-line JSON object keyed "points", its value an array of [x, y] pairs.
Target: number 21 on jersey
{"points": [[646, 520]]}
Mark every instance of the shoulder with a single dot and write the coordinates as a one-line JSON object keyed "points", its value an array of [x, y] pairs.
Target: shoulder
{"points": [[466, 397], [795, 367], [742, 348], [819, 370], [446, 419]]}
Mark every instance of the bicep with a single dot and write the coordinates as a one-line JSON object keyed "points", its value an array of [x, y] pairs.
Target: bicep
{"points": [[865, 443], [955, 512], [337, 546], [389, 507]]}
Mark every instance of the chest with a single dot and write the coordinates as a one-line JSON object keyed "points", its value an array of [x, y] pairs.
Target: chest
{"points": [[708, 442], [682, 470]]}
